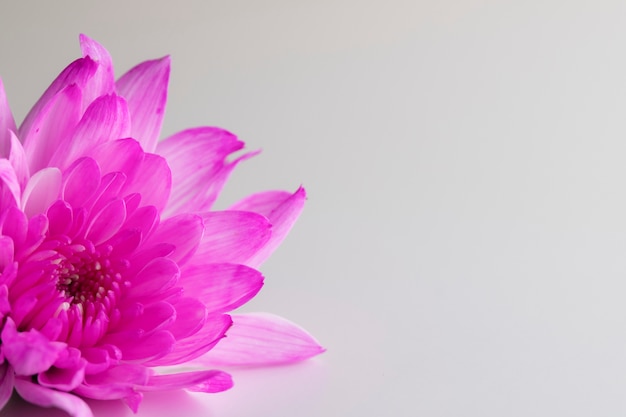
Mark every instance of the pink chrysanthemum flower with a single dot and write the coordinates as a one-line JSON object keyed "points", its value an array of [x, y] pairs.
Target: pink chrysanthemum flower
{"points": [[111, 262]]}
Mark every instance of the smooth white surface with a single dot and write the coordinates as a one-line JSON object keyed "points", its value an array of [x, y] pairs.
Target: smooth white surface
{"points": [[463, 248]]}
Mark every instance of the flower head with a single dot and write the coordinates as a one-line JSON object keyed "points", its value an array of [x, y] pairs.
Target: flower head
{"points": [[112, 262]]}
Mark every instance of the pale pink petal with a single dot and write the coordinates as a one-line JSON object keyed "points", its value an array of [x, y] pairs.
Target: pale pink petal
{"points": [[232, 236], [145, 89], [18, 160], [7, 123], [76, 74], [103, 82], [197, 344], [7, 379], [10, 194], [196, 158], [52, 126], [42, 190], [106, 119], [260, 339], [282, 218], [199, 381], [46, 397], [221, 287], [28, 352]]}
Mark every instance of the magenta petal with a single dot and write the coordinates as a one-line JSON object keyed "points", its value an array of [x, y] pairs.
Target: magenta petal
{"points": [[155, 316], [7, 379], [123, 155], [200, 381], [107, 118], [262, 339], [151, 347], [77, 73], [7, 123], [80, 181], [282, 218], [158, 275], [196, 157], [67, 373], [183, 231], [28, 352], [46, 397], [52, 127], [221, 287], [106, 222], [145, 89], [232, 236], [153, 180], [190, 317], [42, 190]]}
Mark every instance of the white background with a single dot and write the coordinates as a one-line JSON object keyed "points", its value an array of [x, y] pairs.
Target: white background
{"points": [[463, 248]]}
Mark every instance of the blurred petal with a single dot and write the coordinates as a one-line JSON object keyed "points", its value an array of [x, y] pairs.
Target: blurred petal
{"points": [[145, 89], [9, 185], [46, 397], [7, 379], [200, 381], [18, 160], [262, 339], [7, 123]]}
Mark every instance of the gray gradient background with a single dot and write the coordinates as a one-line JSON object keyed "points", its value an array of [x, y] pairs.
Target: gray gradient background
{"points": [[463, 249]]}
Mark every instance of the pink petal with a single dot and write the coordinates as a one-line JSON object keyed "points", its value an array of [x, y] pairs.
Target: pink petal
{"points": [[196, 158], [46, 397], [7, 123], [15, 225], [10, 194], [221, 287], [262, 339], [232, 237], [18, 160], [80, 181], [200, 381], [153, 180], [282, 218], [77, 74], [145, 89], [7, 379], [183, 231], [155, 316], [67, 373], [42, 190], [106, 119], [123, 155], [60, 217], [106, 222], [103, 82], [151, 347], [190, 317], [28, 352], [52, 126], [157, 276], [197, 344]]}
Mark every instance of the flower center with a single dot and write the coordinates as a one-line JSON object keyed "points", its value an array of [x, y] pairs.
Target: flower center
{"points": [[86, 275]]}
